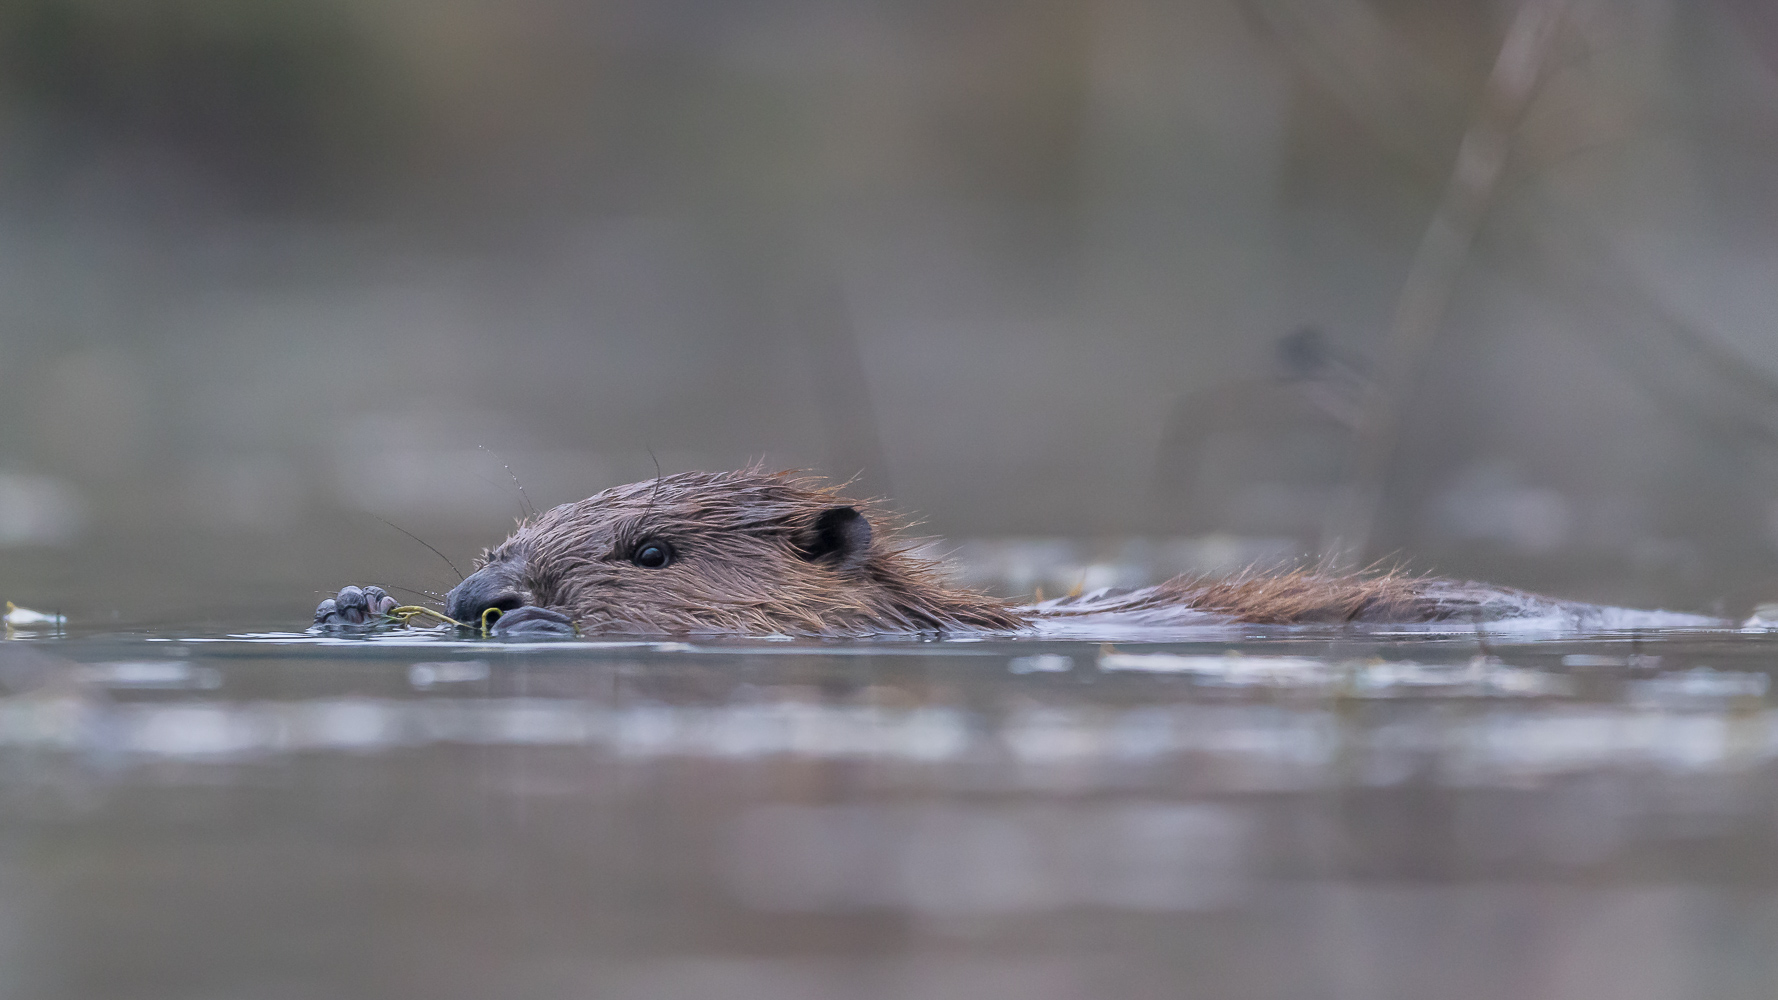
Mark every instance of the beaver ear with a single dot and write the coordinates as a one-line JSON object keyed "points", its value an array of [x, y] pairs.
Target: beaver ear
{"points": [[840, 536]]}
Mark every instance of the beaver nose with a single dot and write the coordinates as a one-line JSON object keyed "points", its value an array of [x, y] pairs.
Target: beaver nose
{"points": [[483, 589]]}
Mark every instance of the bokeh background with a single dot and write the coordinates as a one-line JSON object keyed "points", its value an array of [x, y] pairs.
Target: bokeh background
{"points": [[1099, 289]]}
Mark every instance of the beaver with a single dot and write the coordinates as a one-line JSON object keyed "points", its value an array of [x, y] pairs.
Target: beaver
{"points": [[759, 553]]}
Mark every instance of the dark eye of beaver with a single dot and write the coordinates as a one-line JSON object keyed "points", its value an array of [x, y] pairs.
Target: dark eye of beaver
{"points": [[652, 555]]}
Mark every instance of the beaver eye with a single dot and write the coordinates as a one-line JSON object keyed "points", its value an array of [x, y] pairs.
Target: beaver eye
{"points": [[652, 555]]}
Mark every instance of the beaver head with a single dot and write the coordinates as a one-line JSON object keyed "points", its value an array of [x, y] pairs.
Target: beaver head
{"points": [[744, 552]]}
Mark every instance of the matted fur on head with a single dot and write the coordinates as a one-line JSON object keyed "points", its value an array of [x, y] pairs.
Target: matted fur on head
{"points": [[748, 552]]}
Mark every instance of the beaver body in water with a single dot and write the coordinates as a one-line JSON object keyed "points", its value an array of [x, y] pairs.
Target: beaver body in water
{"points": [[757, 553]]}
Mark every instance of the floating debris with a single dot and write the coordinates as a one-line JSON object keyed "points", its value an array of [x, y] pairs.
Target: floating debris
{"points": [[16, 615]]}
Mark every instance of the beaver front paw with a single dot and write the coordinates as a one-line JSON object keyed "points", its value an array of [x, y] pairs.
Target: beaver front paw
{"points": [[354, 606], [532, 620]]}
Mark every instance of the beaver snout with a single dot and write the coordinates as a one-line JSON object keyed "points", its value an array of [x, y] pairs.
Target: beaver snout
{"points": [[492, 586]]}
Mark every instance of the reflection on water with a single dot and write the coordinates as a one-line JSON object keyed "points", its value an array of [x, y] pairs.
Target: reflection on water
{"points": [[282, 815], [956, 860]]}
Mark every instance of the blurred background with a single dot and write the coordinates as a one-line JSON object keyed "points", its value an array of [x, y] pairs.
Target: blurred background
{"points": [[1101, 291]]}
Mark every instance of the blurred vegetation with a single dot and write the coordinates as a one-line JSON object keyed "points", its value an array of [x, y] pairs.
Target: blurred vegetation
{"points": [[276, 103], [268, 268]]}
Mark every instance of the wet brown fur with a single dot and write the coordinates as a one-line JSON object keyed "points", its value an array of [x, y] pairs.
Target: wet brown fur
{"points": [[1291, 597], [741, 566]]}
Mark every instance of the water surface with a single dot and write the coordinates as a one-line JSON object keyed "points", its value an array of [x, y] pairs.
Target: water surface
{"points": [[1246, 813]]}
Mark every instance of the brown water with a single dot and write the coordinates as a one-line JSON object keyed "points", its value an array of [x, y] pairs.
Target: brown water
{"points": [[1270, 815]]}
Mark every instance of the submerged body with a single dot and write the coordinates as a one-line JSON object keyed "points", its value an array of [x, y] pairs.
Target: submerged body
{"points": [[756, 553]]}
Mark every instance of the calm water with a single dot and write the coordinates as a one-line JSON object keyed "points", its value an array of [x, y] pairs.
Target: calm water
{"points": [[1305, 815]]}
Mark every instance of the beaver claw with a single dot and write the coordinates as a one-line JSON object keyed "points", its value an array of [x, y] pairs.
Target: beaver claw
{"points": [[532, 620], [354, 606]]}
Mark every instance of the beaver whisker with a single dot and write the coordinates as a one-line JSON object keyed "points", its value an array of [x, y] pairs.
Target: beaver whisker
{"points": [[530, 511], [490, 482], [422, 541], [433, 596], [657, 477]]}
